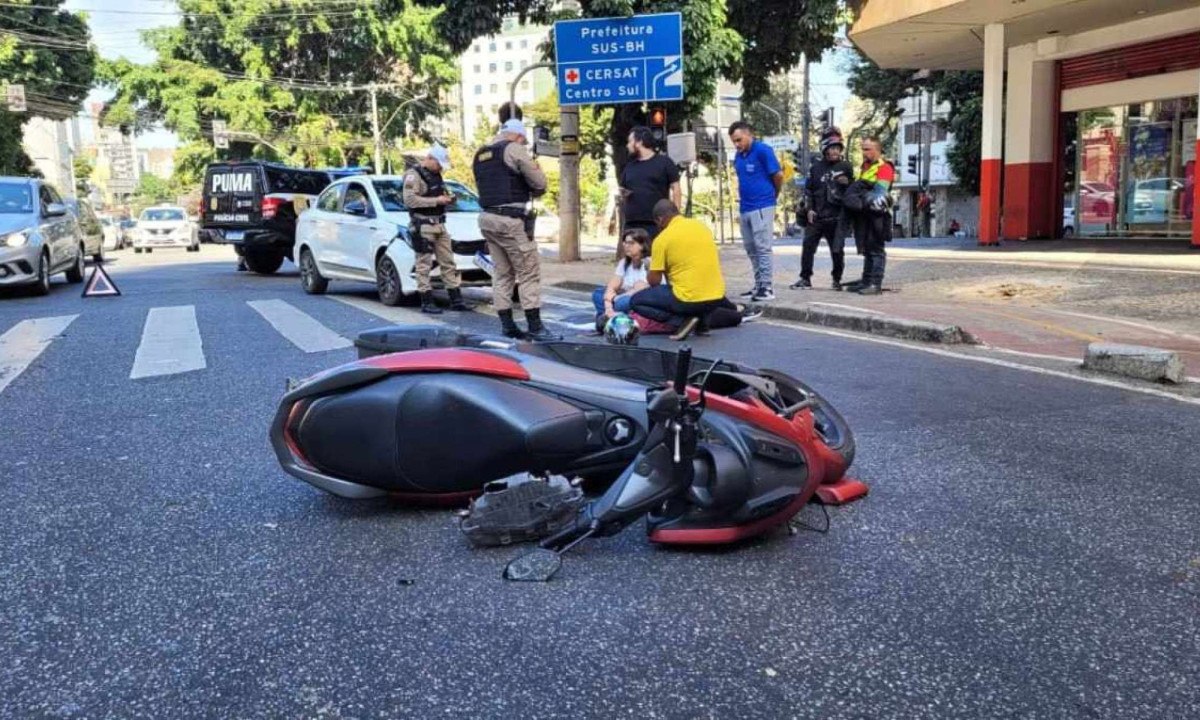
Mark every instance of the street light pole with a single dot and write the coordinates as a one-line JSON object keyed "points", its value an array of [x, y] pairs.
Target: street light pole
{"points": [[375, 132]]}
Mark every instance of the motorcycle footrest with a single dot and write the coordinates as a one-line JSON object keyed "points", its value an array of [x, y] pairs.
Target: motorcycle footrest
{"points": [[841, 491]]}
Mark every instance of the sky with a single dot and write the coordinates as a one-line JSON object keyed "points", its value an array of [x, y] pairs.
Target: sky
{"points": [[116, 26]]}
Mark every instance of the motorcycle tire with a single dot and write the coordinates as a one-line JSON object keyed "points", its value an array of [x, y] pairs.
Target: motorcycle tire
{"points": [[830, 423]]}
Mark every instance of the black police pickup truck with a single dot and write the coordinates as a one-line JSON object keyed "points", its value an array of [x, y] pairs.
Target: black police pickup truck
{"points": [[253, 205]]}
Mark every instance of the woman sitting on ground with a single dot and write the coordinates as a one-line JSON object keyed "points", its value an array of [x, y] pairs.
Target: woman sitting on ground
{"points": [[629, 277]]}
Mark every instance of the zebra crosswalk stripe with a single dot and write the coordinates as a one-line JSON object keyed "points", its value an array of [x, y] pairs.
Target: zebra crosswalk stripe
{"points": [[170, 343], [304, 331], [22, 344]]}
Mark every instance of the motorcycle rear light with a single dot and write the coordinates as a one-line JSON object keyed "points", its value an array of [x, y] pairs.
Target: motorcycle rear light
{"points": [[295, 415], [270, 206]]}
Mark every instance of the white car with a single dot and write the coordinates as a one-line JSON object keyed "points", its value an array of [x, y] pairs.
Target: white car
{"points": [[358, 230], [165, 226]]}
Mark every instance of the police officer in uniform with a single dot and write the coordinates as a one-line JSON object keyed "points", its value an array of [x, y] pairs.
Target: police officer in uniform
{"points": [[828, 179], [508, 179], [426, 197]]}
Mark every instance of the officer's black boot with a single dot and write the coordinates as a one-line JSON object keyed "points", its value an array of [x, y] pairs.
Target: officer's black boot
{"points": [[538, 331], [456, 300], [508, 327], [428, 306]]}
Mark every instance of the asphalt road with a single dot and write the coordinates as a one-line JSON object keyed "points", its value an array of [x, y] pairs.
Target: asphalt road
{"points": [[1029, 547]]}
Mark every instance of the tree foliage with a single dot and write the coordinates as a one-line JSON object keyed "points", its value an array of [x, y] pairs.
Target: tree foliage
{"points": [[83, 167], [778, 33], [48, 50], [277, 72], [883, 90]]}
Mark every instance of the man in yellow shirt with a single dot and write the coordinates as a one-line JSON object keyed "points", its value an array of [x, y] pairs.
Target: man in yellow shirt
{"points": [[685, 254]]}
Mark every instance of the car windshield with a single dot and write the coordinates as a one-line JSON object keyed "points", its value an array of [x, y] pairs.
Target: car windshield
{"points": [[162, 215], [15, 198], [391, 195]]}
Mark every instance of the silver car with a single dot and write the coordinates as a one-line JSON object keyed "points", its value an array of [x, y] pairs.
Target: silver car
{"points": [[39, 235]]}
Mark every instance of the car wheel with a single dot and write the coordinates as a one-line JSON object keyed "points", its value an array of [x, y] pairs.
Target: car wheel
{"points": [[1068, 231], [137, 251], [310, 274], [42, 287], [263, 263], [98, 258], [75, 273], [387, 281], [149, 250]]}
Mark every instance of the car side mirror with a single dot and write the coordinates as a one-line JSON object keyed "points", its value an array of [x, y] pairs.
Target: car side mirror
{"points": [[358, 208], [55, 210]]}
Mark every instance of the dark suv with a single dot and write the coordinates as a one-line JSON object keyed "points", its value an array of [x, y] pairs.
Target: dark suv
{"points": [[253, 205]]}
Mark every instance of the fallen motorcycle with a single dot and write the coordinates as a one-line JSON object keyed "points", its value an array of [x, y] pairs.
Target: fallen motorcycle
{"points": [[438, 422]]}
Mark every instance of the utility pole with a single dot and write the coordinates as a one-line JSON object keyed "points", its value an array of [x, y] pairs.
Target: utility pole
{"points": [[805, 121], [378, 136], [927, 163]]}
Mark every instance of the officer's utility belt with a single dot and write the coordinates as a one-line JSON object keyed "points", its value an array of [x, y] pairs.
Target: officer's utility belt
{"points": [[419, 220], [512, 212]]}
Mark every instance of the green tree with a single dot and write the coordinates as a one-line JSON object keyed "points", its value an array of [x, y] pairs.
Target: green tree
{"points": [[277, 73], [883, 90], [48, 50]]}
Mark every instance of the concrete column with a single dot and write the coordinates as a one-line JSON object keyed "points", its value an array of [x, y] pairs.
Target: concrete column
{"points": [[1196, 192], [1029, 183], [992, 146]]}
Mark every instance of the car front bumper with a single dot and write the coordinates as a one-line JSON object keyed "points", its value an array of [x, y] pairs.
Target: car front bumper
{"points": [[18, 266]]}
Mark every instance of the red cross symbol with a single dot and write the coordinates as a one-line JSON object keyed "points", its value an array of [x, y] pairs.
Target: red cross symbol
{"points": [[572, 76]]}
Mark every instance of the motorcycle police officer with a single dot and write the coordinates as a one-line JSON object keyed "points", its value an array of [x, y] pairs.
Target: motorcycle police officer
{"points": [[508, 179], [426, 197], [827, 182]]}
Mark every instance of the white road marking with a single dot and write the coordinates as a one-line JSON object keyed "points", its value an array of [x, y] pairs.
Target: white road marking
{"points": [[992, 361], [397, 315], [21, 345], [849, 307], [1127, 323], [170, 343], [303, 330]]}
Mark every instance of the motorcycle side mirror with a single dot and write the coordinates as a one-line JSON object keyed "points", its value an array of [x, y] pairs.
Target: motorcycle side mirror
{"points": [[534, 566]]}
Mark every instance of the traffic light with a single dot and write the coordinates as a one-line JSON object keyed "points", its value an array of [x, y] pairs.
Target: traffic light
{"points": [[658, 124], [912, 165], [826, 117]]}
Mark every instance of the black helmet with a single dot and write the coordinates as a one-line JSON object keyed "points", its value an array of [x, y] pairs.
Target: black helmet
{"points": [[831, 140], [621, 330]]}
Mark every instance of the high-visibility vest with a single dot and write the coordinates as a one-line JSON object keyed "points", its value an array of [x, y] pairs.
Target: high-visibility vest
{"points": [[871, 174]]}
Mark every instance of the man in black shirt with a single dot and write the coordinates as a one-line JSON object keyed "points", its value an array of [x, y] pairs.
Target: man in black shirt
{"points": [[647, 178], [826, 185]]}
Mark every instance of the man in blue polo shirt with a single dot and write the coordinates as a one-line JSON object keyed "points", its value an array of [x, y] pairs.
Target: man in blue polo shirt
{"points": [[759, 181]]}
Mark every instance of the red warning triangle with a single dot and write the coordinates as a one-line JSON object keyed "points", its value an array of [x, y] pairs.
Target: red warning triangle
{"points": [[100, 284]]}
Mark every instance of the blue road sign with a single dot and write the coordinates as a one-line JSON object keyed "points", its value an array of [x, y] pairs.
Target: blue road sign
{"points": [[619, 60]]}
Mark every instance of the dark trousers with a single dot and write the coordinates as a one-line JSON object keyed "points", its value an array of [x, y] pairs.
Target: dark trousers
{"points": [[871, 233], [658, 303], [834, 235]]}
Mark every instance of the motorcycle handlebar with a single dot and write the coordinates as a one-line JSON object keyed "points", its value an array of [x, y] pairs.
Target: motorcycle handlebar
{"points": [[683, 363]]}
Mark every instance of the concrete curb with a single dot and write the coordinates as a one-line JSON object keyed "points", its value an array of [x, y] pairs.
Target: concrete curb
{"points": [[1134, 361], [885, 325]]}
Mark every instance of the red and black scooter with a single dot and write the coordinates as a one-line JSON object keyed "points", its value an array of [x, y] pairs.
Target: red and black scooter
{"points": [[438, 423]]}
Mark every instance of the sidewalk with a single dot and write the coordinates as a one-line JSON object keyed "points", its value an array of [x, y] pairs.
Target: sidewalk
{"points": [[1044, 298]]}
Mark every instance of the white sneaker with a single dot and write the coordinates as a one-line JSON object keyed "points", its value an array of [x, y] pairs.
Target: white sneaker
{"points": [[763, 295]]}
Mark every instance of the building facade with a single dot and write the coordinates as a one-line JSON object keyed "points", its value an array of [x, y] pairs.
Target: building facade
{"points": [[51, 144], [1090, 107], [489, 67], [923, 139]]}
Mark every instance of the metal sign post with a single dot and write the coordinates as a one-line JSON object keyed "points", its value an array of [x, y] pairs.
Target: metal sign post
{"points": [[16, 98]]}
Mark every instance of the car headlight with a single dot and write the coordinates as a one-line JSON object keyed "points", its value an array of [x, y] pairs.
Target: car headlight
{"points": [[16, 239]]}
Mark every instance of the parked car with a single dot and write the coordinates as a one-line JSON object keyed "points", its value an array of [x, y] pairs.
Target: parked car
{"points": [[1155, 198], [165, 226], [1068, 217], [358, 230], [39, 236], [113, 235], [254, 206], [89, 227]]}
